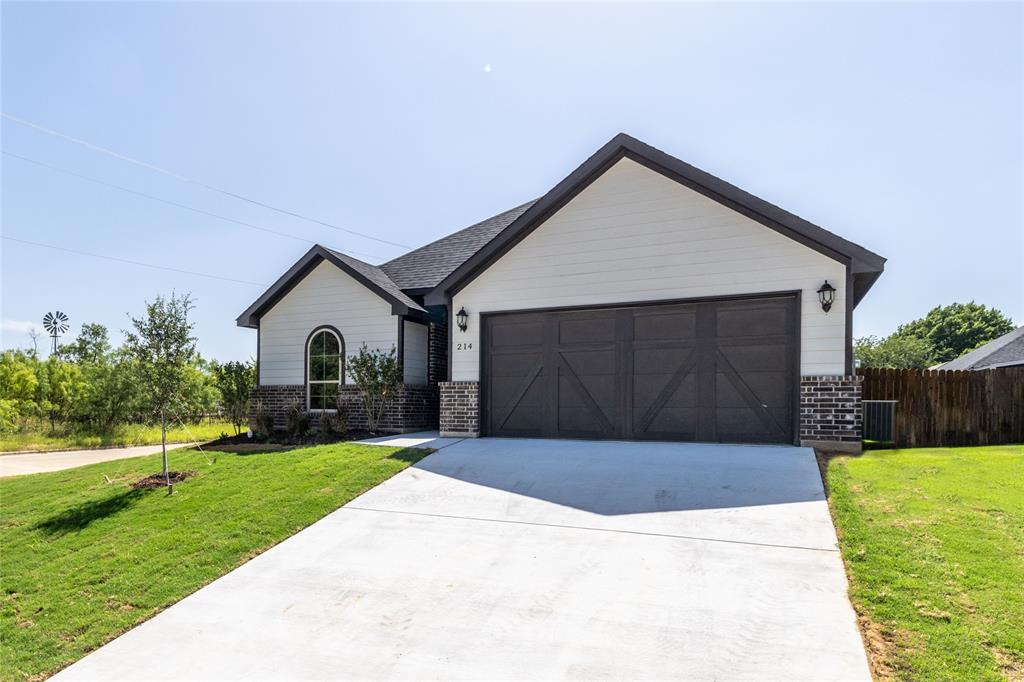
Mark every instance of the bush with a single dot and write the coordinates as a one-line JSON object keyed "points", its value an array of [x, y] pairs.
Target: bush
{"points": [[327, 421], [298, 421], [264, 420], [378, 376]]}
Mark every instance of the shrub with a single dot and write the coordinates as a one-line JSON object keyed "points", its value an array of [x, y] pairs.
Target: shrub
{"points": [[327, 421], [377, 375], [298, 421], [264, 420]]}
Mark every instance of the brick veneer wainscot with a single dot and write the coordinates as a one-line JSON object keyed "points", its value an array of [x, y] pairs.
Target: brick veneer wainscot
{"points": [[414, 407], [830, 412], [460, 408]]}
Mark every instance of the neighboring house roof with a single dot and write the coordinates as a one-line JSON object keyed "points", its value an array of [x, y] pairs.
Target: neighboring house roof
{"points": [[1006, 351], [428, 265], [370, 276], [439, 269], [865, 266]]}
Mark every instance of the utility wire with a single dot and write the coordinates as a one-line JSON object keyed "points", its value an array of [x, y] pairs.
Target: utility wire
{"points": [[131, 262], [182, 178], [169, 202]]}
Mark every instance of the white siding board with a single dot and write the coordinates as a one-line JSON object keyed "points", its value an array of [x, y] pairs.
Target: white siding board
{"points": [[326, 296], [414, 350], [635, 235]]}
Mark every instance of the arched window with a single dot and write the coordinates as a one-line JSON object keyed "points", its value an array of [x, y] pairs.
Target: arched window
{"points": [[325, 367]]}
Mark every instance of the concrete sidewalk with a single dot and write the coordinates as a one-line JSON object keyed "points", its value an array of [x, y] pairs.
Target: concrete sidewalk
{"points": [[42, 462], [532, 559]]}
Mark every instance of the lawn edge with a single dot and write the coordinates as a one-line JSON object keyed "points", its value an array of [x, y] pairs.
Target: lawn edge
{"points": [[252, 554], [875, 637]]}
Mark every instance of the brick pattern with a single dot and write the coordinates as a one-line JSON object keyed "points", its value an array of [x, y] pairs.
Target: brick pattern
{"points": [[276, 400], [830, 411], [460, 408], [414, 408], [437, 353]]}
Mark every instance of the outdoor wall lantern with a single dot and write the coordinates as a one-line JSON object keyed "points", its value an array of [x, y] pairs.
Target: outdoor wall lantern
{"points": [[463, 318], [826, 294]]}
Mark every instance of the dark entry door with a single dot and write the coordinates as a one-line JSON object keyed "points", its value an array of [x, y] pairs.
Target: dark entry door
{"points": [[712, 371]]}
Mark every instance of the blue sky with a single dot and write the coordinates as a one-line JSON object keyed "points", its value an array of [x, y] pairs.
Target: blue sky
{"points": [[898, 126]]}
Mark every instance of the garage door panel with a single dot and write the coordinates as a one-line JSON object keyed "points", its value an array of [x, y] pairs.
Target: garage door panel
{"points": [[669, 325], [675, 423], [745, 320], [717, 370], [514, 364], [655, 361], [528, 332], [586, 329], [757, 358]]}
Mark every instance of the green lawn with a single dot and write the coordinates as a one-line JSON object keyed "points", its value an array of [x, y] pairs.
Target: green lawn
{"points": [[131, 434], [933, 540], [85, 559]]}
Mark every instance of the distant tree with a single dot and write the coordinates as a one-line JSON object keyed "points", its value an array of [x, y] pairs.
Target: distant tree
{"points": [[34, 334], [377, 375], [19, 383], [91, 345], [235, 381], [902, 352], [955, 329], [162, 345]]}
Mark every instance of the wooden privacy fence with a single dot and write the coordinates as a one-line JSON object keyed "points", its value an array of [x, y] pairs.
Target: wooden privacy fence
{"points": [[946, 408]]}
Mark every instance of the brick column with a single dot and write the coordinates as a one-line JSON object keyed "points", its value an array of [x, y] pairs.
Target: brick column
{"points": [[460, 409], [830, 412]]}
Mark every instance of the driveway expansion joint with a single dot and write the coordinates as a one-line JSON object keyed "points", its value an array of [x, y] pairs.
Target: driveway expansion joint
{"points": [[592, 528]]}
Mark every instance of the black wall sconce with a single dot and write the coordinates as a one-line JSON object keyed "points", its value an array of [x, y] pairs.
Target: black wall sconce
{"points": [[463, 319], [826, 295]]}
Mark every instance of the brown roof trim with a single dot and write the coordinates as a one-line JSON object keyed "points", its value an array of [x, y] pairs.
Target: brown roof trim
{"points": [[400, 304], [859, 259]]}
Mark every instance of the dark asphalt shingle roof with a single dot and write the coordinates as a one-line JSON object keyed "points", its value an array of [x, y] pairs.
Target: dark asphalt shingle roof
{"points": [[1007, 350], [426, 266], [376, 275]]}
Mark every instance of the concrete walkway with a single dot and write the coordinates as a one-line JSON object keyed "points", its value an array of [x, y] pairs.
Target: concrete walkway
{"points": [[533, 559], [41, 462]]}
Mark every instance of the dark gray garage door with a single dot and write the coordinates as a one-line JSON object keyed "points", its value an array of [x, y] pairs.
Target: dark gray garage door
{"points": [[713, 371]]}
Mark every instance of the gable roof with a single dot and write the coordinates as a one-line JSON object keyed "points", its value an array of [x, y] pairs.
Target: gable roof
{"points": [[370, 276], [424, 267], [864, 265], [1006, 351]]}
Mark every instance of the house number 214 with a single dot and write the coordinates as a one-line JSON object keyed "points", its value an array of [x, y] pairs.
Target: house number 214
{"points": [[464, 346]]}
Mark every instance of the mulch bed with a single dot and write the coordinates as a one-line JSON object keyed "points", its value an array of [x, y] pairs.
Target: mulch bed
{"points": [[280, 438], [158, 481]]}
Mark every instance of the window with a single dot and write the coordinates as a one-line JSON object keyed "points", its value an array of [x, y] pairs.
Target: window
{"points": [[324, 368]]}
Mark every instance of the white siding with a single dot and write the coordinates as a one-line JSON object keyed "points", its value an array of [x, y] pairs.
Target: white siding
{"points": [[635, 235], [326, 296], [414, 347]]}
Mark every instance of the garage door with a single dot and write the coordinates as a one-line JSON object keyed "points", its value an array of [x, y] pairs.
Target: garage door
{"points": [[722, 371]]}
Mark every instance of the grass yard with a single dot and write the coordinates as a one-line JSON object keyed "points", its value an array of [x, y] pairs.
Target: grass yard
{"points": [[130, 434], [933, 541], [85, 559]]}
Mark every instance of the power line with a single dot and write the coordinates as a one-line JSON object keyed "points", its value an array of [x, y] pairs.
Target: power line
{"points": [[131, 262], [169, 202], [182, 178]]}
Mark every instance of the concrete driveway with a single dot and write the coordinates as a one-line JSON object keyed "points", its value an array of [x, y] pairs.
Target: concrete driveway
{"points": [[532, 559]]}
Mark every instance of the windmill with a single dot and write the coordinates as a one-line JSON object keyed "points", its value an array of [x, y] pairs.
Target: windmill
{"points": [[56, 323]]}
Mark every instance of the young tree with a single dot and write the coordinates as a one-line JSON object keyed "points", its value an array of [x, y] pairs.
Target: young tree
{"points": [[893, 351], [954, 329], [162, 346], [235, 380], [377, 375]]}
